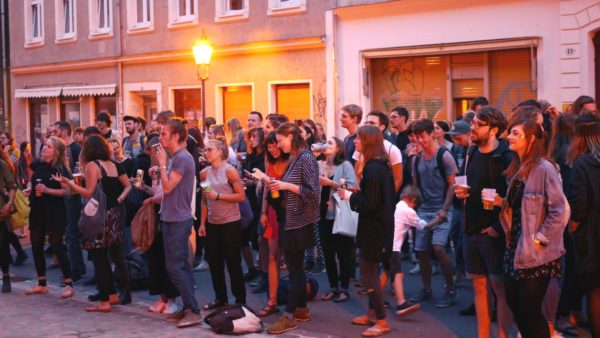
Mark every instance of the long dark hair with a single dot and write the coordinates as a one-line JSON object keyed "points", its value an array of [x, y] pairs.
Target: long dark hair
{"points": [[536, 151], [580, 102], [95, 148], [563, 132], [340, 155], [371, 140], [272, 139], [258, 132], [298, 142]]}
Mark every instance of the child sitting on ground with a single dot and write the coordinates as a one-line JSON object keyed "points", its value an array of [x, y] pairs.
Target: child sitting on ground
{"points": [[404, 218]]}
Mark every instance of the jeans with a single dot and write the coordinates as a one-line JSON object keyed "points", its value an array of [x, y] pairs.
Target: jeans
{"points": [[340, 246], [524, 298], [175, 238], [223, 247], [38, 237], [103, 272], [370, 276], [297, 285], [73, 237]]}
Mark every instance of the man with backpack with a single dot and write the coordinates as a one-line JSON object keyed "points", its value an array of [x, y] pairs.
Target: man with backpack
{"points": [[433, 173]]}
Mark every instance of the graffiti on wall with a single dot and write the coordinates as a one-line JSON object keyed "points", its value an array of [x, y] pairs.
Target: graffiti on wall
{"points": [[320, 104]]}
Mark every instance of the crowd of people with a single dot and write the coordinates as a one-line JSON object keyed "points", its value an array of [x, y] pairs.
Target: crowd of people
{"points": [[508, 199]]}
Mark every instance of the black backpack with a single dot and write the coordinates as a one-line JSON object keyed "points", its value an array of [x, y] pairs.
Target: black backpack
{"points": [[439, 158], [137, 268]]}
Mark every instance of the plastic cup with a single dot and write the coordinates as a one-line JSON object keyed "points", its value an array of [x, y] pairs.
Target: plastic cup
{"points": [[489, 195]]}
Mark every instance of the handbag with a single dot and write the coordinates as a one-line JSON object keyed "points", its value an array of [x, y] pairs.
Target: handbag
{"points": [[20, 217], [93, 213], [346, 220]]}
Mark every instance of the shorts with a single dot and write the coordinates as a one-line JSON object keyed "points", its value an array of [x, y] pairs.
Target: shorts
{"points": [[395, 263], [438, 236], [483, 255]]}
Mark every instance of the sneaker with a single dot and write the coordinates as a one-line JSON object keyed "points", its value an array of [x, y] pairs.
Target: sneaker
{"points": [[302, 314], [21, 258], [317, 269], [175, 317], [203, 266], [189, 319], [407, 307], [416, 270], [448, 299], [423, 295], [250, 275], [67, 292], [470, 311], [6, 286], [37, 290], [170, 307], [283, 324], [157, 307]]}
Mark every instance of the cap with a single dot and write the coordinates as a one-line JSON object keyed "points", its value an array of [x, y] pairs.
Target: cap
{"points": [[460, 127], [130, 118]]}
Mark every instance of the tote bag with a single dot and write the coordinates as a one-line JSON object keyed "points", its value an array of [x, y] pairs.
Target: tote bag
{"points": [[346, 220], [93, 213]]}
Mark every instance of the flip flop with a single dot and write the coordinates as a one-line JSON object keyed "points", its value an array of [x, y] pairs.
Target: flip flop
{"points": [[362, 320], [375, 332]]}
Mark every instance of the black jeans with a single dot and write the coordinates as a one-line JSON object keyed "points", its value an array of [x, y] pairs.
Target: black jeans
{"points": [[524, 298], [297, 286], [370, 276], [224, 242], [103, 272], [38, 237], [343, 247], [4, 248], [13, 239]]}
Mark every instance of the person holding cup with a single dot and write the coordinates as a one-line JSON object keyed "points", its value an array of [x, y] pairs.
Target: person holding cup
{"points": [[482, 244], [533, 217]]}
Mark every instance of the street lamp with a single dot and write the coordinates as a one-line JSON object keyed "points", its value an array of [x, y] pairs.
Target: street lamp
{"points": [[202, 52]]}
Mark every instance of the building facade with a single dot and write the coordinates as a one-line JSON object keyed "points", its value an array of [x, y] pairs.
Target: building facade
{"points": [[74, 58]]}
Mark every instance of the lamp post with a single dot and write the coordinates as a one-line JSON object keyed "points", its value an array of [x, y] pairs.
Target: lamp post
{"points": [[202, 53]]}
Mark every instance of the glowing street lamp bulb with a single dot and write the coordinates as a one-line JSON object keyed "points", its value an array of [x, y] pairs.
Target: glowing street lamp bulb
{"points": [[202, 52]]}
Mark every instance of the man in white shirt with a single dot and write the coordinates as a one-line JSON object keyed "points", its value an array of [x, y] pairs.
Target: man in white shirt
{"points": [[381, 121]]}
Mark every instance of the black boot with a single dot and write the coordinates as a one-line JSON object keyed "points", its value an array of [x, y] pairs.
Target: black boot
{"points": [[125, 297], [263, 284], [6, 287]]}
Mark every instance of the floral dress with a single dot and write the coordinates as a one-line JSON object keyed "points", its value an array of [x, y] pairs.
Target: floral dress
{"points": [[551, 269]]}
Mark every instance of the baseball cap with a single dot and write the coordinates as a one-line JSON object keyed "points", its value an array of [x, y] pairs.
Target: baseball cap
{"points": [[459, 127]]}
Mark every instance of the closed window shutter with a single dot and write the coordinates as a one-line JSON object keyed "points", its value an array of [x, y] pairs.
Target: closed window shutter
{"points": [[467, 88], [237, 102], [510, 78], [293, 100]]}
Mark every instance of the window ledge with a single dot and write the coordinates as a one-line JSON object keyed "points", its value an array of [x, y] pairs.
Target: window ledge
{"points": [[286, 10], [140, 28], [183, 22], [100, 35], [34, 43], [233, 16], [65, 39]]}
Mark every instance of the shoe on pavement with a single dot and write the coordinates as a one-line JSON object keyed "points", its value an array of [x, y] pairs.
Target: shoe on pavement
{"points": [[189, 319], [6, 286], [157, 307], [283, 324], [174, 318], [448, 299], [125, 297], [302, 314], [37, 290], [21, 258], [423, 295], [203, 266], [171, 307], [416, 270], [470, 311], [67, 292], [406, 308]]}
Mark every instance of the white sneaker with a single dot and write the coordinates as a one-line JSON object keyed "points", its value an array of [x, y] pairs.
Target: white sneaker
{"points": [[67, 292], [157, 307], [203, 266], [435, 269], [171, 307]]}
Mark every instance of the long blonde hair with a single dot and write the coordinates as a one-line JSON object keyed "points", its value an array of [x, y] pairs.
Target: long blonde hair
{"points": [[59, 152]]}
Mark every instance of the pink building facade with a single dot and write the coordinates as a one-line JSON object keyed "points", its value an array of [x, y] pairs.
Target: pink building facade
{"points": [[72, 59]]}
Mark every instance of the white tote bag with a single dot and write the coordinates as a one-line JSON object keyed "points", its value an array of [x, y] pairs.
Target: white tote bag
{"points": [[346, 220]]}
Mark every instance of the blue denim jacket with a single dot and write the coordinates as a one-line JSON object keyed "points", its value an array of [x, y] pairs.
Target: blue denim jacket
{"points": [[545, 213]]}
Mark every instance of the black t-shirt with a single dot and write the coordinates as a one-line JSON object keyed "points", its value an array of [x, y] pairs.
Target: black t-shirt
{"points": [[402, 140], [350, 147], [72, 153], [47, 207]]}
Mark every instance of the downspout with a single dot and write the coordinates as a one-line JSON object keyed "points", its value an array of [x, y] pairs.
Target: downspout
{"points": [[120, 112], [5, 118]]}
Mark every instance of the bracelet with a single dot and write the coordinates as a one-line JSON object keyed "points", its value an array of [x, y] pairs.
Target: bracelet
{"points": [[164, 167], [218, 195]]}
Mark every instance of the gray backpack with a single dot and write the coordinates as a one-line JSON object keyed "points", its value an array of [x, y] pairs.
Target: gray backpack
{"points": [[93, 213]]}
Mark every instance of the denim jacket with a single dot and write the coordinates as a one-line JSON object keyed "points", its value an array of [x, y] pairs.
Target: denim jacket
{"points": [[545, 213]]}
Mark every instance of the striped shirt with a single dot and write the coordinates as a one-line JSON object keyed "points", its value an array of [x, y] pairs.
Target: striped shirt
{"points": [[302, 209]]}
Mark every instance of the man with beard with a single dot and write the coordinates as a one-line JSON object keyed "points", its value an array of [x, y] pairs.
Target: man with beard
{"points": [[483, 241], [134, 142]]}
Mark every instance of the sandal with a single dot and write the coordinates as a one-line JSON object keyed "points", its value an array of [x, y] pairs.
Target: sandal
{"points": [[330, 295], [98, 308], [374, 331], [341, 297], [362, 320], [215, 304], [268, 310]]}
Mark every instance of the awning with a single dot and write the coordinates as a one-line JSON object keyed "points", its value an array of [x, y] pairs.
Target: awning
{"points": [[37, 92], [92, 90]]}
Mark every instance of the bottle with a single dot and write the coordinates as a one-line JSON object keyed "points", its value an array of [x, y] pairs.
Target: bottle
{"points": [[139, 178]]}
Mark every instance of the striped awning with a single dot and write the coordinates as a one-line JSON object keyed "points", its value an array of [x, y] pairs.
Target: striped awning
{"points": [[91, 90], [37, 92]]}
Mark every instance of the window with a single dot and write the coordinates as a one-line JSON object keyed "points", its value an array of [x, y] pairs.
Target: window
{"points": [[140, 15], [236, 101], [70, 111], [101, 14], [188, 104], [38, 125], [65, 20], [34, 22], [107, 104], [183, 12], [231, 10], [283, 7], [292, 100]]}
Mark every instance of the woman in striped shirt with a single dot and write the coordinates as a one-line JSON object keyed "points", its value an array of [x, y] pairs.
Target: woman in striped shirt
{"points": [[301, 192]]}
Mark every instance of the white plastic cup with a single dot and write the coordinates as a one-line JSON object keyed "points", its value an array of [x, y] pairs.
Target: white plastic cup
{"points": [[461, 180], [489, 195]]}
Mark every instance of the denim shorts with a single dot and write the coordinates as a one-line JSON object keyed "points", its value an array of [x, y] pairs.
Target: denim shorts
{"points": [[483, 255], [438, 236]]}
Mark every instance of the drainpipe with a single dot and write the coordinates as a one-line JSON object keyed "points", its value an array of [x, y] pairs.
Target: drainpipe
{"points": [[5, 87], [120, 112]]}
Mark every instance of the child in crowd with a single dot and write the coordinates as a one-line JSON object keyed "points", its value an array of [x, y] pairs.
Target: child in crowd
{"points": [[404, 217]]}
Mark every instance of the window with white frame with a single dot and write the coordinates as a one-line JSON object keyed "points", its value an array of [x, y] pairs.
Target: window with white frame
{"points": [[65, 19], [140, 14], [229, 10], [101, 15], [282, 7], [183, 12], [34, 22]]}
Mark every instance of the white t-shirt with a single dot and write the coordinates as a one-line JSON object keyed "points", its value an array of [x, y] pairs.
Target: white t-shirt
{"points": [[394, 153], [404, 218]]}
